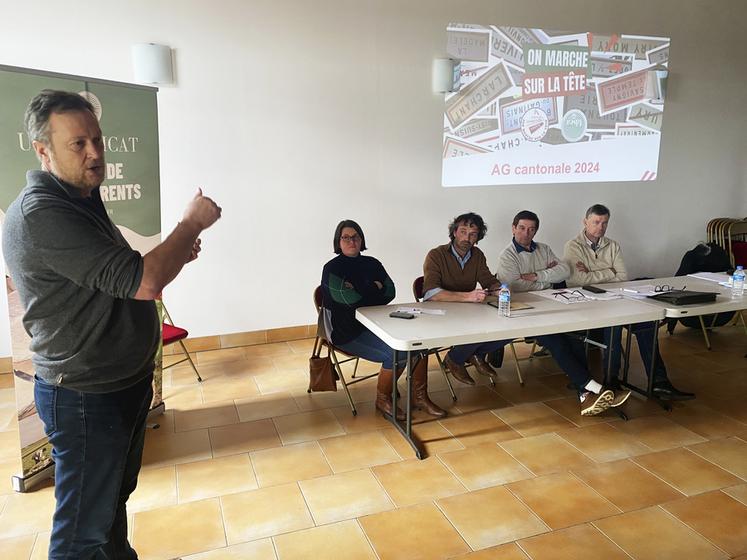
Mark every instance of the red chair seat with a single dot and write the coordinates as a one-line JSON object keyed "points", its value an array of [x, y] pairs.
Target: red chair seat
{"points": [[171, 334], [739, 248]]}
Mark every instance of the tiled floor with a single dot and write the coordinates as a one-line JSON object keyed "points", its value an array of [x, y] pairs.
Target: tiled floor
{"points": [[247, 465]]}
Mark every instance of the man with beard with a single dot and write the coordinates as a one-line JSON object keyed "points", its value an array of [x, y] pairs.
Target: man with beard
{"points": [[451, 272]]}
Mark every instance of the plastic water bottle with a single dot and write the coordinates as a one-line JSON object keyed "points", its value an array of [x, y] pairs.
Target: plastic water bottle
{"points": [[737, 282], [504, 301]]}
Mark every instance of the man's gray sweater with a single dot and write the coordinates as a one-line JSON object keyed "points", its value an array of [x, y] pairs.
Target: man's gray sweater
{"points": [[76, 276]]}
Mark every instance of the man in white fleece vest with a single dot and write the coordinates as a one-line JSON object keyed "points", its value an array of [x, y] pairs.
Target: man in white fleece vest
{"points": [[529, 266], [593, 258]]}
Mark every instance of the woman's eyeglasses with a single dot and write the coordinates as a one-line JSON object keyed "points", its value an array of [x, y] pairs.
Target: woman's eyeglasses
{"points": [[350, 238]]}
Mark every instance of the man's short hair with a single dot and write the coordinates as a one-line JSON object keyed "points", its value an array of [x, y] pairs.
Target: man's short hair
{"points": [[468, 219], [338, 232], [598, 210], [527, 215], [46, 102]]}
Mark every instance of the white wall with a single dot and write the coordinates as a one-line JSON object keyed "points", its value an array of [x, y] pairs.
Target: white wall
{"points": [[295, 114]]}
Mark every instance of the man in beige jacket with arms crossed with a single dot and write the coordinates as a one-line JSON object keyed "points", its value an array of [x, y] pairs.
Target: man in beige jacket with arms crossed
{"points": [[596, 259]]}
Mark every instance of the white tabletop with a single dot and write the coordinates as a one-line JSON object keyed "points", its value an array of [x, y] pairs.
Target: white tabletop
{"points": [[724, 301], [465, 323]]}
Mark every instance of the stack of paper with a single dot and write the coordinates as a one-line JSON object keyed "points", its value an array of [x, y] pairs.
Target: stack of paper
{"points": [[422, 310], [639, 292], [720, 277], [601, 297]]}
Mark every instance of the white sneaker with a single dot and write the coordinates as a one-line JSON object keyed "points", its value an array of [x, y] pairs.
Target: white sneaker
{"points": [[593, 403]]}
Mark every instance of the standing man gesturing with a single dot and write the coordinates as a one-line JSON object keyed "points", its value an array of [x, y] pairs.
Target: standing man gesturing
{"points": [[88, 306]]}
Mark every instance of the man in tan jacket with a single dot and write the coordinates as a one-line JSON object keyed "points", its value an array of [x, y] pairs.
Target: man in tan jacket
{"points": [[592, 257], [596, 259]]}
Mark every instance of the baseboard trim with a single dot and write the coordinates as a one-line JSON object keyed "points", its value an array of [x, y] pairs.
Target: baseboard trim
{"points": [[246, 338]]}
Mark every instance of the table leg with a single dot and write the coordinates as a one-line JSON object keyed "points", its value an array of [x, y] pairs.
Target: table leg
{"points": [[650, 373], [664, 404], [608, 367], [405, 430], [628, 340]]}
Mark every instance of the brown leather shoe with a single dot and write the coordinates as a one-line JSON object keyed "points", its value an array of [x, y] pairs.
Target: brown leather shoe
{"points": [[384, 394], [482, 367], [420, 390], [458, 371]]}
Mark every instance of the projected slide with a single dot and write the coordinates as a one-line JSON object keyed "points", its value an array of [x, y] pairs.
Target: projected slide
{"points": [[543, 106]]}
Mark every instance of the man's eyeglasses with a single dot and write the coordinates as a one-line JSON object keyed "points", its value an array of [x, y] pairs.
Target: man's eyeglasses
{"points": [[350, 238], [574, 295]]}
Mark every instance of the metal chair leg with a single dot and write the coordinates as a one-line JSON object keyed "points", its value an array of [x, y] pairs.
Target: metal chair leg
{"points": [[191, 363], [518, 367], [446, 376], [741, 318], [336, 363], [705, 332]]}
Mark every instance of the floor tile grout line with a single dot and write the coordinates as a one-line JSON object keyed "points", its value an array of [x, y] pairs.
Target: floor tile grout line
{"points": [[692, 529], [450, 522], [306, 503], [639, 465], [223, 520], [254, 468], [535, 514], [368, 539], [609, 538], [742, 501], [274, 548], [516, 458], [699, 457], [742, 478], [383, 488], [590, 487], [592, 458], [451, 471]]}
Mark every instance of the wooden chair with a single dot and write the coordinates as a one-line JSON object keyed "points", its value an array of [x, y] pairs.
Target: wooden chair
{"points": [[338, 356], [173, 334]]}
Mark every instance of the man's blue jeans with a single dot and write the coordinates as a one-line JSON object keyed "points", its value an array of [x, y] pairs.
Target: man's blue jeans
{"points": [[644, 334], [463, 352], [97, 441], [570, 354]]}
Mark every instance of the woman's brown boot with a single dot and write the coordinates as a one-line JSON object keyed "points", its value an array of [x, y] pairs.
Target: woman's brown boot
{"points": [[420, 390], [384, 394]]}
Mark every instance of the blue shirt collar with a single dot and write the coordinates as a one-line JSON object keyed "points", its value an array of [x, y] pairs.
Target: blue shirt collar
{"points": [[519, 248], [461, 260]]}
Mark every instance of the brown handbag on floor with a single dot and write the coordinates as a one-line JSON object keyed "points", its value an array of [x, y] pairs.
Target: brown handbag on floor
{"points": [[322, 375]]}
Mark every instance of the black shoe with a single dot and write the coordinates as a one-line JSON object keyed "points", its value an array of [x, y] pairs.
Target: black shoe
{"points": [[665, 391]]}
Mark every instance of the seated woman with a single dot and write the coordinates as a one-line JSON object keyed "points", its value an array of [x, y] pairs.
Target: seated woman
{"points": [[350, 281]]}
